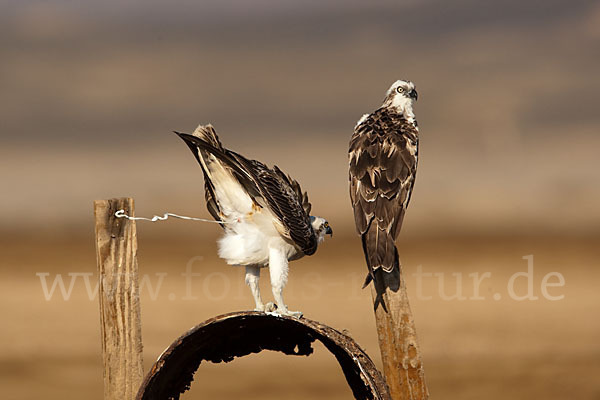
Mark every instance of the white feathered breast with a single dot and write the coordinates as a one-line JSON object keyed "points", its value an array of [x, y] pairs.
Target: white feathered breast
{"points": [[249, 230]]}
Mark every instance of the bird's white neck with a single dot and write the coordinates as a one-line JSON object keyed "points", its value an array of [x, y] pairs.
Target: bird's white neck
{"points": [[403, 106]]}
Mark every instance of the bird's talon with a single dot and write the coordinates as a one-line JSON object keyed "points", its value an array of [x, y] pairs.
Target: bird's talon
{"points": [[295, 314], [270, 307]]}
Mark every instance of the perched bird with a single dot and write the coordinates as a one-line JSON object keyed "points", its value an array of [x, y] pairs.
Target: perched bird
{"points": [[383, 164], [265, 214]]}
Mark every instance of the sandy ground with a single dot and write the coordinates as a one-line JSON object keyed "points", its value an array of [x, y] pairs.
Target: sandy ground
{"points": [[472, 349]]}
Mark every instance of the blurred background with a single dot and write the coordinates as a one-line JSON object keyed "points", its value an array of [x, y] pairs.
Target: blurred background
{"points": [[509, 167]]}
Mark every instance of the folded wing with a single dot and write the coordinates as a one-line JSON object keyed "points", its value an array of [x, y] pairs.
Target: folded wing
{"points": [[383, 162]]}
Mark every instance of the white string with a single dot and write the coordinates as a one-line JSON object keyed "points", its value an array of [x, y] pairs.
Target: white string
{"points": [[121, 214]]}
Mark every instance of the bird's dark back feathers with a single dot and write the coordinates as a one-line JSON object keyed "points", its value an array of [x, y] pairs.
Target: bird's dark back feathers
{"points": [[383, 161]]}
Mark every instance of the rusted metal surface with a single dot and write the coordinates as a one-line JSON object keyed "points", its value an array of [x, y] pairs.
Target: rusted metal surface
{"points": [[241, 333]]}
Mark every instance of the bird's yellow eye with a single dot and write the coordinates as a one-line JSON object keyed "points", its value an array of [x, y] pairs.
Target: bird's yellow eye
{"points": [[326, 224], [400, 89]]}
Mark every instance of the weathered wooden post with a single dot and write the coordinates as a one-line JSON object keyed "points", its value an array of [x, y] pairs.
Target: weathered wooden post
{"points": [[400, 351], [120, 323]]}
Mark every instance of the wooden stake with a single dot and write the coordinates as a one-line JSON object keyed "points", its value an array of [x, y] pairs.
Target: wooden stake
{"points": [[120, 323], [400, 352]]}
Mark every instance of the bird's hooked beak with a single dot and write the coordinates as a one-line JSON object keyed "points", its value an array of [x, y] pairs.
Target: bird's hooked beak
{"points": [[413, 94], [329, 231]]}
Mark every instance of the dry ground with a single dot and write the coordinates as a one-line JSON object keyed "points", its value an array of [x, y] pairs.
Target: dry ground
{"points": [[473, 349]]}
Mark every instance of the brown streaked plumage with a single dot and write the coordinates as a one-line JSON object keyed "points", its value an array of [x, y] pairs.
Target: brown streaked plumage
{"points": [[268, 187], [383, 163]]}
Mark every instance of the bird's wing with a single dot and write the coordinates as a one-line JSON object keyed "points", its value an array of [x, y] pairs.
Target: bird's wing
{"points": [[383, 163], [302, 196], [267, 187], [207, 134], [286, 201]]}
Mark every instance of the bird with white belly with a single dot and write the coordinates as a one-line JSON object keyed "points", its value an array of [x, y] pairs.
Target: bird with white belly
{"points": [[265, 214]]}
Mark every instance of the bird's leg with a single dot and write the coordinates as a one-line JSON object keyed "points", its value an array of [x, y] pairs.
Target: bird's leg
{"points": [[252, 277], [278, 269]]}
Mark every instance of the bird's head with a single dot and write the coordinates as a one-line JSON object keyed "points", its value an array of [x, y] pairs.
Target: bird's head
{"points": [[401, 96], [321, 227]]}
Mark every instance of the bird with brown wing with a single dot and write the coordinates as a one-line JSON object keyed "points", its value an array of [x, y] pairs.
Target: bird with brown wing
{"points": [[383, 163]]}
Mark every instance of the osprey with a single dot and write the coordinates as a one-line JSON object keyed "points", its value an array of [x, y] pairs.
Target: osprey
{"points": [[265, 214], [383, 163]]}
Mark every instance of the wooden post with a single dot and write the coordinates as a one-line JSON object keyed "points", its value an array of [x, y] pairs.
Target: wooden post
{"points": [[120, 323], [400, 352]]}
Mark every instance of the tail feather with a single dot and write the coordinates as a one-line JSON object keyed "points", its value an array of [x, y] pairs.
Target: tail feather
{"points": [[201, 142], [209, 135], [380, 251]]}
